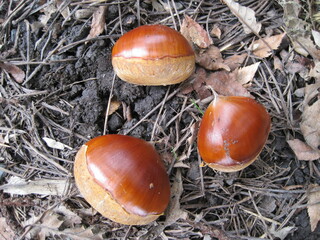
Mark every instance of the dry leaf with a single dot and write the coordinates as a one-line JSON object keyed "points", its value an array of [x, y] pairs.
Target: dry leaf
{"points": [[261, 49], [245, 75], [70, 218], [211, 59], [48, 11], [17, 185], [54, 144], [114, 106], [235, 61], [305, 46], [245, 15], [65, 11], [281, 233], [314, 205], [194, 32], [225, 83], [215, 31], [6, 231], [316, 37], [315, 71], [303, 151], [14, 71], [277, 64], [98, 22], [310, 124], [50, 222]]}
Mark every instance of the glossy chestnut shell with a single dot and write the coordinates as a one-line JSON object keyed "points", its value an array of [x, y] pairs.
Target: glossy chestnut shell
{"points": [[153, 55], [232, 133], [123, 178]]}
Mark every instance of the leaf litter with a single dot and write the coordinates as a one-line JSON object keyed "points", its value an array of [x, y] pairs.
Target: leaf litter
{"points": [[63, 78]]}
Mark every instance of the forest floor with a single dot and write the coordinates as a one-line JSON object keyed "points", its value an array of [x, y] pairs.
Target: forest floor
{"points": [[58, 90]]}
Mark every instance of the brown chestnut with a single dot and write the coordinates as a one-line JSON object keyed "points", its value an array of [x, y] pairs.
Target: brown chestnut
{"points": [[123, 178], [153, 55], [232, 133]]}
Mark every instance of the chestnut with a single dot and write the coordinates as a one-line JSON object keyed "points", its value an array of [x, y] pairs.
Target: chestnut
{"points": [[153, 55], [123, 178], [232, 133]]}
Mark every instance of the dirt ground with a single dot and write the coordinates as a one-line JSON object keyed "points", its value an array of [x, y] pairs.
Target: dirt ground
{"points": [[64, 96]]}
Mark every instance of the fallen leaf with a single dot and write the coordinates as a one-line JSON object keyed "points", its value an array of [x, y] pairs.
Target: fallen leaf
{"points": [[235, 61], [50, 222], [17, 185], [316, 37], [216, 31], [48, 11], [281, 233], [98, 22], [245, 15], [195, 33], [310, 124], [305, 46], [14, 71], [211, 59], [314, 205], [277, 64], [303, 151], [225, 84], [6, 231], [315, 71], [65, 11], [245, 75], [55, 144], [263, 47], [114, 106], [70, 218]]}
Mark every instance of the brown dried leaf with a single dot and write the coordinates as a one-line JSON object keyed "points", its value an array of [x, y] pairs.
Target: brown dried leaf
{"points": [[261, 49], [6, 231], [315, 71], [65, 11], [194, 32], [235, 61], [245, 15], [303, 151], [314, 205], [98, 22], [14, 71], [224, 83], [51, 221], [245, 75], [216, 31], [310, 124], [305, 46], [211, 59], [114, 106], [277, 64]]}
